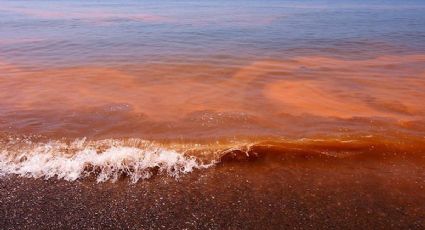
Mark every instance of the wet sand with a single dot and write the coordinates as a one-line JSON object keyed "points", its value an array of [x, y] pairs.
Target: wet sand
{"points": [[212, 114], [300, 194]]}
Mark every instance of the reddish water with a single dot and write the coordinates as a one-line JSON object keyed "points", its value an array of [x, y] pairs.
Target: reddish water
{"points": [[181, 117], [228, 114], [301, 95]]}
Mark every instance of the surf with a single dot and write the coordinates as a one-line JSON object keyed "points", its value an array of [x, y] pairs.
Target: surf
{"points": [[137, 159]]}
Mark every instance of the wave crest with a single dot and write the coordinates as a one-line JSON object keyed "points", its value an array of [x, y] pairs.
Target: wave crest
{"points": [[137, 159], [107, 160]]}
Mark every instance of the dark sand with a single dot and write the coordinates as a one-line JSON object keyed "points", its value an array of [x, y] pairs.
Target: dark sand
{"points": [[301, 194]]}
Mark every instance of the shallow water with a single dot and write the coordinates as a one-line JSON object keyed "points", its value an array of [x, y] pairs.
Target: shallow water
{"points": [[219, 114], [200, 79]]}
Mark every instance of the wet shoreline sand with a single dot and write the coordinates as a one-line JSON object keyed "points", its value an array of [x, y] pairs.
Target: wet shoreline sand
{"points": [[304, 193], [212, 114]]}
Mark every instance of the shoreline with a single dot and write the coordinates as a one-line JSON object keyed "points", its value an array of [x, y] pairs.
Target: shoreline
{"points": [[249, 195]]}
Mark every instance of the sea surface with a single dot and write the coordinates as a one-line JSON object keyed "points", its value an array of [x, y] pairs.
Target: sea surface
{"points": [[136, 92]]}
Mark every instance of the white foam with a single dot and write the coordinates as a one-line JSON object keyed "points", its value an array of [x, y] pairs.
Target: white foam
{"points": [[80, 159]]}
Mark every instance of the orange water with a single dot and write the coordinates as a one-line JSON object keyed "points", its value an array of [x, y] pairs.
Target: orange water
{"points": [[302, 96], [106, 85]]}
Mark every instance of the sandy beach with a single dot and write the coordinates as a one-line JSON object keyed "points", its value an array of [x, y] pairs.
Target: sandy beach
{"points": [[212, 114]]}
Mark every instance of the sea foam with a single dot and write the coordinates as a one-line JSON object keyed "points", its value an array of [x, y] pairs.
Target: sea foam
{"points": [[107, 160]]}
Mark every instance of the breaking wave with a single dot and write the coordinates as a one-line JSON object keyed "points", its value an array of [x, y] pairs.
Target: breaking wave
{"points": [[106, 160], [137, 159]]}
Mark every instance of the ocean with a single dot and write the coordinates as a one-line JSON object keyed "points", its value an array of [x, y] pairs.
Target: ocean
{"points": [[314, 107]]}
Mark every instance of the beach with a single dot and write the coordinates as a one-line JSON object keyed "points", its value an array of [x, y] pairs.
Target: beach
{"points": [[212, 114], [304, 194]]}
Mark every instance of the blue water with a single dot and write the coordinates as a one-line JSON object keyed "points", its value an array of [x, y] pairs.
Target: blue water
{"points": [[40, 33]]}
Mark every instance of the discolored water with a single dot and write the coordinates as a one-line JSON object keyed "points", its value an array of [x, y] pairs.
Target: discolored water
{"points": [[212, 70], [134, 89]]}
